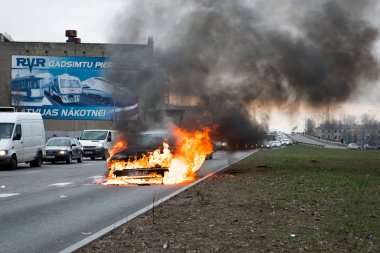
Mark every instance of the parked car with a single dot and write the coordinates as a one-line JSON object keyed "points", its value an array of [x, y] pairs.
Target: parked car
{"points": [[352, 146], [63, 149]]}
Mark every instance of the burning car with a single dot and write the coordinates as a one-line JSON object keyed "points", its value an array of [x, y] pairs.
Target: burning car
{"points": [[139, 148], [158, 157]]}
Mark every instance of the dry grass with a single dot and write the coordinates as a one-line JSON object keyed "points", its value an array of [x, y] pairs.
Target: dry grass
{"points": [[298, 199]]}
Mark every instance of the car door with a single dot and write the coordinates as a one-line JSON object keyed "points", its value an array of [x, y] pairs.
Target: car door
{"points": [[74, 148], [18, 143]]}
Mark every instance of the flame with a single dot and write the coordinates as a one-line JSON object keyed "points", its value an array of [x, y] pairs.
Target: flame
{"points": [[119, 145], [191, 149]]}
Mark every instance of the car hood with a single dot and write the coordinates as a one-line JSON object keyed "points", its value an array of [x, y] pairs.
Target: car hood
{"points": [[57, 148]]}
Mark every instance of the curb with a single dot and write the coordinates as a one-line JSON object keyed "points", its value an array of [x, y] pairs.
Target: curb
{"points": [[100, 233]]}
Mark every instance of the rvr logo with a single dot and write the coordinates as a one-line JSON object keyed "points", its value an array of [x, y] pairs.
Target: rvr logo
{"points": [[30, 62]]}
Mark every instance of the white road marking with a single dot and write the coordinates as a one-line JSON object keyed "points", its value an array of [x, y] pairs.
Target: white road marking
{"points": [[96, 177], [5, 195], [61, 184], [63, 196], [2, 187], [34, 171]]}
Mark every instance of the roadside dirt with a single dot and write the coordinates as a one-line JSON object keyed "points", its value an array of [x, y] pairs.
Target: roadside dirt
{"points": [[238, 210]]}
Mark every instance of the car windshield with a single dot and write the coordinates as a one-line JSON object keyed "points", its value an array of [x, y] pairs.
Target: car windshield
{"points": [[6, 130], [93, 135], [58, 142]]}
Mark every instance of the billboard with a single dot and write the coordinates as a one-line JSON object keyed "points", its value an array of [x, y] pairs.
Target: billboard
{"points": [[84, 88]]}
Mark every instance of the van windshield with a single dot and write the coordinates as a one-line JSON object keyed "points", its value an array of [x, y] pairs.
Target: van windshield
{"points": [[6, 130], [93, 135]]}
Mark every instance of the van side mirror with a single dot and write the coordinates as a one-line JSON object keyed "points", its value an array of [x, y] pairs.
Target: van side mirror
{"points": [[17, 136], [109, 139], [73, 145]]}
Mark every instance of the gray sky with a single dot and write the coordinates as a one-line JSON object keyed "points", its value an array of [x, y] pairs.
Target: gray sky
{"points": [[42, 20], [47, 20]]}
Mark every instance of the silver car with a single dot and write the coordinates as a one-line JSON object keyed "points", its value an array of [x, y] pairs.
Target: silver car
{"points": [[352, 146], [63, 149]]}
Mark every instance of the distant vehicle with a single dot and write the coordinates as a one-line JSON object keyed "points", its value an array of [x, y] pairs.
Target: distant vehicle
{"points": [[65, 87], [352, 146], [63, 149], [266, 144], [368, 146], [22, 137], [274, 144], [286, 142], [28, 87], [97, 142]]}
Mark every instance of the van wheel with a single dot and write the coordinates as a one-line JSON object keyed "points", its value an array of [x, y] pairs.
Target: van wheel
{"points": [[106, 155], [69, 159], [38, 162], [13, 163], [80, 159]]}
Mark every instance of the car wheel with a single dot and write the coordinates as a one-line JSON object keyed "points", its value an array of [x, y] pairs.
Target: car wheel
{"points": [[38, 162], [13, 163], [106, 155], [69, 159], [92, 157], [80, 159]]}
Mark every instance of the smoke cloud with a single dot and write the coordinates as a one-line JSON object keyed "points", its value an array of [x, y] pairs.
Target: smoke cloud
{"points": [[232, 54]]}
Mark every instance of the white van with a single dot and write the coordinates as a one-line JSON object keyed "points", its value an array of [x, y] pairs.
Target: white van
{"points": [[97, 142], [22, 139]]}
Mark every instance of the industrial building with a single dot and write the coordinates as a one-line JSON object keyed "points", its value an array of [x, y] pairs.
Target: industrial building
{"points": [[77, 86]]}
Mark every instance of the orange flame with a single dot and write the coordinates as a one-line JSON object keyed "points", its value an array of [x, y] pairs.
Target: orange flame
{"points": [[190, 152], [118, 146]]}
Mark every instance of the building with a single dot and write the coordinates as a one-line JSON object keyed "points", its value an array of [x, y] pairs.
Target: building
{"points": [[361, 134], [77, 86]]}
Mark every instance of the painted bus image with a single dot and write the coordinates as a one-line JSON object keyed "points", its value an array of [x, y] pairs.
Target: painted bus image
{"points": [[27, 88], [65, 87]]}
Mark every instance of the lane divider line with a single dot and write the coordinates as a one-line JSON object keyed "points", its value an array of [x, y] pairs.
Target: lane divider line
{"points": [[5, 195], [61, 184]]}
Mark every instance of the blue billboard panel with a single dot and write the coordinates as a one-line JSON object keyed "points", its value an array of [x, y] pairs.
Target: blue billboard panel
{"points": [[87, 88]]}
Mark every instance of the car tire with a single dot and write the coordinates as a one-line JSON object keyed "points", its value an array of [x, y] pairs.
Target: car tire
{"points": [[38, 162], [92, 157], [80, 159], [69, 159], [106, 155], [13, 163]]}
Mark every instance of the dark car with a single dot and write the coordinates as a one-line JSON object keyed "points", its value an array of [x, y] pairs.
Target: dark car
{"points": [[63, 149], [144, 142], [138, 145]]}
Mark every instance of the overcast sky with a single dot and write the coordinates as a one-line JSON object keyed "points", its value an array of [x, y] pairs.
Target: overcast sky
{"points": [[47, 20]]}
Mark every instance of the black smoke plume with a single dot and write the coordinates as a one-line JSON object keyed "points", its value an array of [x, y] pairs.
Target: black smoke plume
{"points": [[232, 54]]}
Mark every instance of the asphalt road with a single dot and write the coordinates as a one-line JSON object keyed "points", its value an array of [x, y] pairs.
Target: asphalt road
{"points": [[50, 208]]}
